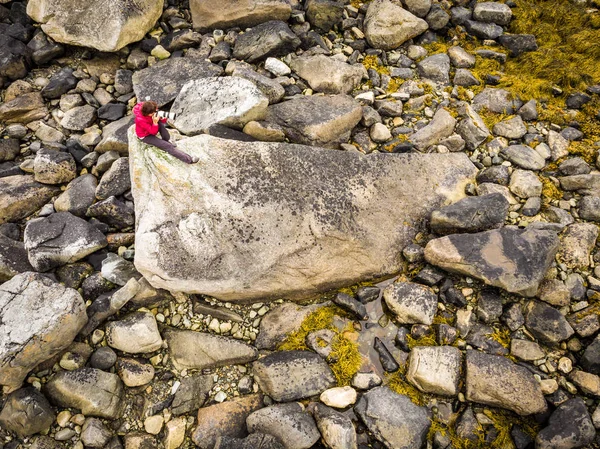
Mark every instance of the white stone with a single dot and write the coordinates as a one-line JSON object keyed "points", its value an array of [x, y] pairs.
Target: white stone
{"points": [[380, 133], [136, 333], [435, 369], [153, 424], [277, 67], [339, 397]]}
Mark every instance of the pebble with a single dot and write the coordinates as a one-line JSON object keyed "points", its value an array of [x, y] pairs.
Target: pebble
{"points": [[153, 424], [565, 365], [220, 396], [63, 418]]}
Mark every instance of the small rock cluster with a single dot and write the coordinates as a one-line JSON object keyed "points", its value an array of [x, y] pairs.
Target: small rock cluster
{"points": [[376, 129]]}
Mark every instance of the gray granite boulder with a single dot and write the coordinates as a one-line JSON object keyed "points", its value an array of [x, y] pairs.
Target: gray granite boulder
{"points": [[115, 181], [411, 302], [317, 120], [328, 75], [291, 375], [471, 214], [74, 22], [295, 201], [163, 81], [54, 167], [387, 25], [199, 350], [21, 196], [230, 101], [59, 239], [78, 196], [495, 380], [273, 38], [114, 136], [513, 259], [393, 418], [94, 392], [40, 318]]}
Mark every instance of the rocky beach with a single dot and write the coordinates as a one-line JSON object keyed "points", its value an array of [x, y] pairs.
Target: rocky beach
{"points": [[389, 240]]}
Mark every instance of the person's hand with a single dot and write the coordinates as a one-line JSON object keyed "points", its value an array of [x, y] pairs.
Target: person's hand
{"points": [[155, 119]]}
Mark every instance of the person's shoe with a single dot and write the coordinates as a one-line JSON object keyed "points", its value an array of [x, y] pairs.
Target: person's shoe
{"points": [[194, 159]]}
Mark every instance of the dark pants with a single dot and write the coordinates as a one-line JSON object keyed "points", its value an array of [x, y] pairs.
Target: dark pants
{"points": [[165, 145]]}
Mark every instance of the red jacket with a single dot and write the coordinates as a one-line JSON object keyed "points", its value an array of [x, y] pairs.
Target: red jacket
{"points": [[143, 123]]}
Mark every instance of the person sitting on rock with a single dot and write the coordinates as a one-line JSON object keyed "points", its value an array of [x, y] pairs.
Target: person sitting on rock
{"points": [[148, 124]]}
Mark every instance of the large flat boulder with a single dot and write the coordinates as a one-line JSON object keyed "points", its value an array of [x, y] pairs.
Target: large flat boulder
{"points": [[75, 22], [21, 196], [510, 258], [163, 81], [237, 13], [40, 318], [261, 220]]}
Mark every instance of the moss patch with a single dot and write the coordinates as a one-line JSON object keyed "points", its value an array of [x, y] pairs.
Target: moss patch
{"points": [[549, 190], [344, 351], [397, 382], [426, 340]]}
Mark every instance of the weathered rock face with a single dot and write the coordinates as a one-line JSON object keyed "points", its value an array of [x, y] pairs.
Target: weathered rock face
{"points": [[243, 14], [393, 418], [508, 258], [40, 318], [229, 101], [290, 208], [315, 120], [163, 81], [435, 369], [199, 350], [495, 380], [23, 109], [569, 427], [75, 22], [13, 258], [387, 25], [94, 392], [471, 214], [21, 195], [27, 412]]}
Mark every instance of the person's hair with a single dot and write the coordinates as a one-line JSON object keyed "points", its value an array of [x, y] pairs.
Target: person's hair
{"points": [[149, 107]]}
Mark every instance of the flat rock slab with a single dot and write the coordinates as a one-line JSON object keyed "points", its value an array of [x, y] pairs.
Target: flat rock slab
{"points": [[291, 375], [199, 350], [40, 318], [393, 418], [94, 392], [75, 22], [21, 195], [163, 81], [495, 380], [256, 220], [513, 259], [237, 13]]}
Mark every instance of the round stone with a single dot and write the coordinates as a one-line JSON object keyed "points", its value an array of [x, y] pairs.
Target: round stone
{"points": [[153, 424], [339, 397], [103, 358]]}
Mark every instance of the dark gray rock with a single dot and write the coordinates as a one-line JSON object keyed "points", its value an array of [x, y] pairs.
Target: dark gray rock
{"points": [[497, 174], [387, 360], [254, 441], [483, 30], [495, 100], [26, 412], [351, 305], [524, 156], [78, 196], [112, 111], [9, 149], [578, 100], [112, 212], [59, 239], [529, 111], [471, 214], [181, 39], [435, 68], [94, 433], [60, 83], [517, 44], [569, 427], [437, 18], [114, 136], [393, 418], [273, 38], [94, 392], [191, 394], [574, 166], [546, 323], [123, 81], [496, 381], [591, 357], [289, 423], [163, 81], [489, 305], [103, 358], [13, 258], [115, 181], [291, 375], [513, 259], [324, 14]]}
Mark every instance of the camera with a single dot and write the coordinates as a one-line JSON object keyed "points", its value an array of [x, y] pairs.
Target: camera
{"points": [[165, 114]]}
